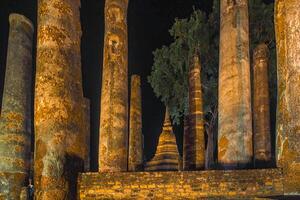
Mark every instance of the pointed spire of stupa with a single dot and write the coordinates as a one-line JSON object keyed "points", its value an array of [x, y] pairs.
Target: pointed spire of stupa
{"points": [[166, 156]]}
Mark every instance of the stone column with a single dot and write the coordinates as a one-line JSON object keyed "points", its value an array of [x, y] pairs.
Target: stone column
{"points": [[135, 157], [15, 126], [114, 95], [287, 25], [235, 117], [195, 139], [59, 115], [261, 105]]}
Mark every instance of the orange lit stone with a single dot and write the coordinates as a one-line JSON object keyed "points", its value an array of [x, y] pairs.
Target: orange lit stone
{"points": [[60, 123], [135, 156], [287, 25], [212, 184], [166, 156], [194, 139], [235, 116], [113, 140]]}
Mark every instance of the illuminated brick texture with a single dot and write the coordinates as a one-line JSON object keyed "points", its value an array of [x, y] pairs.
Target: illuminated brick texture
{"points": [[244, 184], [194, 138], [60, 117], [235, 116], [261, 105], [287, 25], [114, 94], [15, 118], [135, 156]]}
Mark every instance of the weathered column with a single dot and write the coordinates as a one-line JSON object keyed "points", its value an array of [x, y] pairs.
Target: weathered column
{"points": [[15, 126], [135, 157], [235, 117], [59, 115], [114, 94], [194, 139], [261, 105], [287, 25]]}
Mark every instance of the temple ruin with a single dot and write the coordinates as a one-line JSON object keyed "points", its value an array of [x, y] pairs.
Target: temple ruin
{"points": [[62, 114]]}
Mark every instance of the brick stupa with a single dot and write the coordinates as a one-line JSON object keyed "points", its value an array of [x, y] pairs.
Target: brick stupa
{"points": [[166, 157]]}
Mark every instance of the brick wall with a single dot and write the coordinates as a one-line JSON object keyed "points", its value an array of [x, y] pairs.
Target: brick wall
{"points": [[181, 185]]}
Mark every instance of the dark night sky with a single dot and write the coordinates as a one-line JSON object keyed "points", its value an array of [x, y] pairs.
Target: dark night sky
{"points": [[148, 24]]}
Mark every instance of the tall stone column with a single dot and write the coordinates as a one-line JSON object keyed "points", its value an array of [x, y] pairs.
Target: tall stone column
{"points": [[261, 105], [235, 117], [15, 126], [59, 115], [135, 157], [114, 95], [194, 139], [287, 25]]}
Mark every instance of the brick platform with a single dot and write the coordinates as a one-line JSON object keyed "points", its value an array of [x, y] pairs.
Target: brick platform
{"points": [[217, 184]]}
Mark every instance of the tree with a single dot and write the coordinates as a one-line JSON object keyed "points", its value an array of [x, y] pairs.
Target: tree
{"points": [[169, 77]]}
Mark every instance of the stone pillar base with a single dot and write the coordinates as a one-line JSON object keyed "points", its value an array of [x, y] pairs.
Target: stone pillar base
{"points": [[11, 184]]}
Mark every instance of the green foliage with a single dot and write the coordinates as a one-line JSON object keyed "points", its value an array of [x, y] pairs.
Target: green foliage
{"points": [[169, 77]]}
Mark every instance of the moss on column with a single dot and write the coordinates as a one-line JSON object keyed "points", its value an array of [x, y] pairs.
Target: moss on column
{"points": [[15, 120], [59, 114]]}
